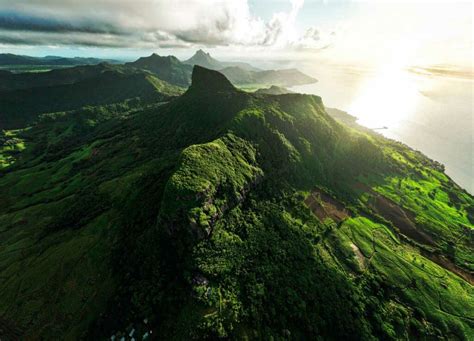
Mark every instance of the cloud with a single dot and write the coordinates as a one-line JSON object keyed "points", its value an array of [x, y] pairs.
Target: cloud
{"points": [[145, 23]]}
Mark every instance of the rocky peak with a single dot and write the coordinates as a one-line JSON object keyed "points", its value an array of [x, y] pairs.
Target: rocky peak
{"points": [[209, 80]]}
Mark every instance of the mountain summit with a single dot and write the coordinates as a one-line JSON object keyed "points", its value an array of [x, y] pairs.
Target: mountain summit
{"points": [[204, 79], [204, 59], [167, 68]]}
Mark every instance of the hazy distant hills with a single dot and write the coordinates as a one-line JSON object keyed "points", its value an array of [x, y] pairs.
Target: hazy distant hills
{"points": [[172, 70], [285, 78], [274, 90], [243, 73], [12, 59], [204, 59]]}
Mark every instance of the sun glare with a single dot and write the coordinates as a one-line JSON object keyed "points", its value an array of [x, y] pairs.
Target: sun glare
{"points": [[386, 98]]}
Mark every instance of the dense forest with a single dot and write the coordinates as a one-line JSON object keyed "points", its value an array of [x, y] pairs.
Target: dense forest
{"points": [[140, 209]]}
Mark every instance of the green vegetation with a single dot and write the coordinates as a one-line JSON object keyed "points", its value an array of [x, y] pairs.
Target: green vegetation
{"points": [[168, 68], [111, 85], [274, 90], [191, 219]]}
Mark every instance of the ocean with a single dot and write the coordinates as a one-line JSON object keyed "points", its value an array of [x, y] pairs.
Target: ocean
{"points": [[430, 112]]}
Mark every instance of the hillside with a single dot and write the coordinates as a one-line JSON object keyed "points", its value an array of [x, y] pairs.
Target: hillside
{"points": [[19, 108], [227, 214], [15, 81]]}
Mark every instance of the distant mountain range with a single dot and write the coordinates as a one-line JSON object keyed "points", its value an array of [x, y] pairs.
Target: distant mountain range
{"points": [[167, 68], [243, 73], [13, 59], [172, 70], [204, 59]]}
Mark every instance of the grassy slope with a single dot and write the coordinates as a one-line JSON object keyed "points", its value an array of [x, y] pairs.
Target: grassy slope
{"points": [[191, 215]]}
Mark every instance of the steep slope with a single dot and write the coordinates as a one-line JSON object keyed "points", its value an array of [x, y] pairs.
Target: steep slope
{"points": [[20, 107], [229, 214], [168, 68]]}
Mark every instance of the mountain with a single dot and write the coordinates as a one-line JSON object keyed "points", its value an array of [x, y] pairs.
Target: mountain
{"points": [[243, 73], [286, 77], [204, 59], [169, 68], [12, 59], [15, 81], [274, 90], [173, 71], [227, 214], [20, 107]]}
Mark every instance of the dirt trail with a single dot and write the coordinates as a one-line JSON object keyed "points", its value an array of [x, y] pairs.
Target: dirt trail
{"points": [[401, 218], [449, 265], [324, 206]]}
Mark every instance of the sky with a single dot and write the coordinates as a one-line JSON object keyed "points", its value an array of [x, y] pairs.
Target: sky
{"points": [[413, 32]]}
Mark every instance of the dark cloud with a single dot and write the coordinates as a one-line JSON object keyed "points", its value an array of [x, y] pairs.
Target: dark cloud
{"points": [[9, 37], [14, 21]]}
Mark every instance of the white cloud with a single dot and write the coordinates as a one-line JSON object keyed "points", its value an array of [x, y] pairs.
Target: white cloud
{"points": [[144, 23]]}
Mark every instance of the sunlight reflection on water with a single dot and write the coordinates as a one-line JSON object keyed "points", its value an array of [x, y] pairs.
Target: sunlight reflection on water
{"points": [[429, 113], [391, 89]]}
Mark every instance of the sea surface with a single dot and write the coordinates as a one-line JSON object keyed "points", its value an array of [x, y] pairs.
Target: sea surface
{"points": [[429, 112]]}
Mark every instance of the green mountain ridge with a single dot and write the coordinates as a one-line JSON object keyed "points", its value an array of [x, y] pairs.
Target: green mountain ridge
{"points": [[169, 68], [16, 81], [99, 86], [13, 59], [227, 214]]}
